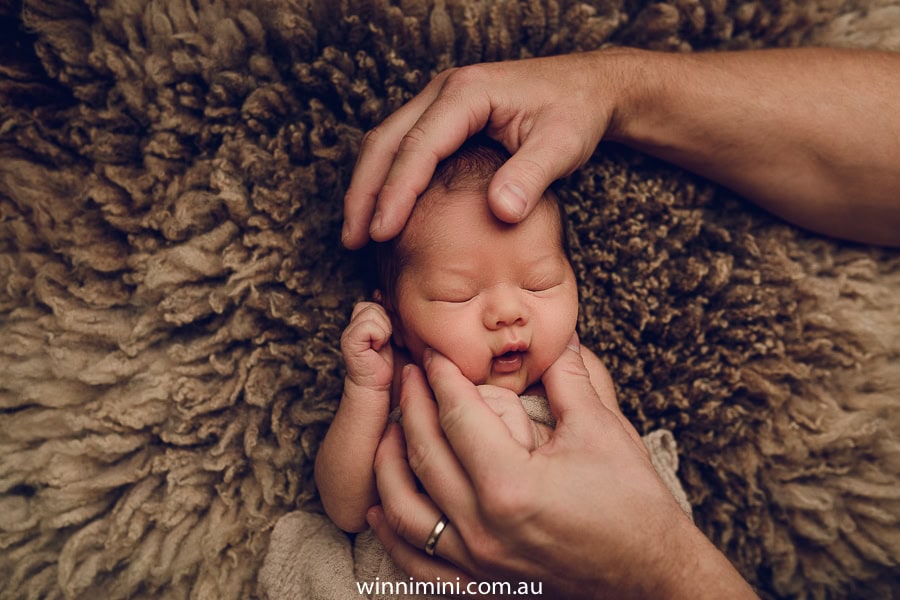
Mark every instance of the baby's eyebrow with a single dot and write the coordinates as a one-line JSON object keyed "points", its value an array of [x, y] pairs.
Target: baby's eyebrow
{"points": [[550, 258]]}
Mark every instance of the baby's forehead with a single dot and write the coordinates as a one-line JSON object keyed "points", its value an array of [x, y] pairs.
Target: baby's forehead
{"points": [[440, 213]]}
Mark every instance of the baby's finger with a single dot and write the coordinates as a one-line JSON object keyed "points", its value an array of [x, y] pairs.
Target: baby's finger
{"points": [[359, 308], [371, 310], [365, 333], [509, 408]]}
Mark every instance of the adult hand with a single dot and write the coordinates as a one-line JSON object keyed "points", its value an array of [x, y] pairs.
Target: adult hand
{"points": [[584, 513], [550, 113], [742, 119]]}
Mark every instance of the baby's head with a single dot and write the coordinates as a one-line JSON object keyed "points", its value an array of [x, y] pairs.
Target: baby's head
{"points": [[499, 300]]}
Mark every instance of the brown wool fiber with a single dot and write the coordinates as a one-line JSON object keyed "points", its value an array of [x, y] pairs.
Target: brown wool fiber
{"points": [[172, 287]]}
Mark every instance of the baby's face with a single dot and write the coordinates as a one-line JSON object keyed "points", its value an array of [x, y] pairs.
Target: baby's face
{"points": [[498, 300]]}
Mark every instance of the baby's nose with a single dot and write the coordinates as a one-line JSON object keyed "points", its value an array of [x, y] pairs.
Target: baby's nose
{"points": [[505, 308]]}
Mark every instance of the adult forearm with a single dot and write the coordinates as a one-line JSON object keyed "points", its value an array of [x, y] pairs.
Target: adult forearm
{"points": [[812, 135], [698, 570]]}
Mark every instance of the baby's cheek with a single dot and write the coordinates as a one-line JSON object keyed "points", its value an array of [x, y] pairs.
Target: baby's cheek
{"points": [[551, 350], [469, 365], [474, 373], [549, 353]]}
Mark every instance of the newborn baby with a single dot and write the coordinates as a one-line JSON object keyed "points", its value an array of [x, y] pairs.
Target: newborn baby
{"points": [[500, 301]]}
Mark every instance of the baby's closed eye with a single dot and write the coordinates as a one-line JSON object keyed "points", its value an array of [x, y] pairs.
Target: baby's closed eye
{"points": [[453, 297], [542, 284]]}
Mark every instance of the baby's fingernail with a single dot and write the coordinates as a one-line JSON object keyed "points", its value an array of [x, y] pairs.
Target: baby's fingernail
{"points": [[345, 233], [574, 345], [513, 198], [405, 372], [427, 355], [373, 517]]}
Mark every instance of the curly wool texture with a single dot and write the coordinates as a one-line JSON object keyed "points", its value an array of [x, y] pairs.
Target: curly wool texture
{"points": [[172, 289]]}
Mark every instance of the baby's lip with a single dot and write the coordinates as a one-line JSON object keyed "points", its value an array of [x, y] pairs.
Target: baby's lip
{"points": [[510, 357], [510, 347], [508, 362]]}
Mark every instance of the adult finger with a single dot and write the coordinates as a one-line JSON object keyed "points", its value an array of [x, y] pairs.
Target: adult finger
{"points": [[413, 561], [428, 452], [479, 438], [570, 393], [460, 110], [376, 155], [410, 513]]}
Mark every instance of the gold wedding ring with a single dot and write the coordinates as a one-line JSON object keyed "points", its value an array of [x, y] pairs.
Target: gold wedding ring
{"points": [[432, 540]]}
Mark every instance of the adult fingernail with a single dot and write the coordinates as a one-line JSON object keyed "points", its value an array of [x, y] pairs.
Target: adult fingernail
{"points": [[427, 355], [375, 227], [574, 345], [513, 198]]}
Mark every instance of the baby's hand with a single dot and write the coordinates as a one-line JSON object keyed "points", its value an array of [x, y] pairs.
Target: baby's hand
{"points": [[366, 347], [509, 408]]}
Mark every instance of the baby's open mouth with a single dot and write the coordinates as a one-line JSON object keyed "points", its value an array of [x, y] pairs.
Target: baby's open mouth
{"points": [[508, 362]]}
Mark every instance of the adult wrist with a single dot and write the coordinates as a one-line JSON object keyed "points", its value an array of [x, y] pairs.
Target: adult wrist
{"points": [[696, 568], [625, 80]]}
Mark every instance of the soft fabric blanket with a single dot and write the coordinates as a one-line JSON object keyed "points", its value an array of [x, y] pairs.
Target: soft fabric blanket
{"points": [[172, 288]]}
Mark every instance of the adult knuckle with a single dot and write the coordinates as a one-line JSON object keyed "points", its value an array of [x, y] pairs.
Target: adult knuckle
{"points": [[451, 419], [418, 455], [572, 369], [464, 77], [437, 83], [533, 172], [392, 189], [399, 519], [503, 502], [414, 140], [485, 549], [373, 138]]}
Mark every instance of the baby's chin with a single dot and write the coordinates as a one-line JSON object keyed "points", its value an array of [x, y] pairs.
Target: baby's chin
{"points": [[515, 382]]}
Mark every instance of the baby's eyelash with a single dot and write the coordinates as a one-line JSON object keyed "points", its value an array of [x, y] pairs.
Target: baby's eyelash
{"points": [[453, 300], [540, 286]]}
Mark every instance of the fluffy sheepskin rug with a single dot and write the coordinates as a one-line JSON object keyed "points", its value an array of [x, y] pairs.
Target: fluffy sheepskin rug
{"points": [[172, 287]]}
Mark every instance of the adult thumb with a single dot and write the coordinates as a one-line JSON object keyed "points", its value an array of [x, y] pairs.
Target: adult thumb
{"points": [[518, 185], [567, 382]]}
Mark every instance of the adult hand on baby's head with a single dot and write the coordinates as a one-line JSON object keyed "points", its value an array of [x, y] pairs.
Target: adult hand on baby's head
{"points": [[366, 347], [549, 112]]}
